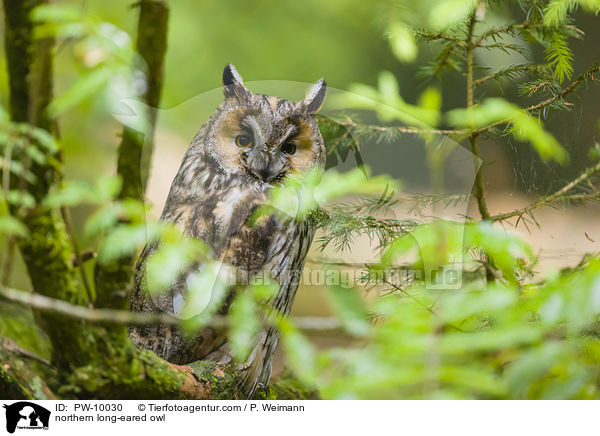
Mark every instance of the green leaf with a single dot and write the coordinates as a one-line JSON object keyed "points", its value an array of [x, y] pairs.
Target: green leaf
{"points": [[524, 126], [301, 193], [110, 215], [41, 136], [536, 362], [165, 266], [350, 309], [87, 84], [73, 193], [12, 226], [450, 12], [509, 252], [36, 155], [299, 352], [431, 100], [20, 198], [388, 103], [245, 325], [570, 385], [437, 244], [402, 42], [490, 340], [481, 378], [207, 289], [57, 13], [17, 168], [264, 292], [125, 240], [4, 116], [456, 306], [556, 12]]}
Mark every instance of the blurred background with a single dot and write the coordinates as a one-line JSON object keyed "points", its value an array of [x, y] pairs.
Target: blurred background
{"points": [[345, 42]]}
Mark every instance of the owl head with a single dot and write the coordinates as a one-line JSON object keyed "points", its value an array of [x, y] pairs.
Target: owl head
{"points": [[260, 139]]}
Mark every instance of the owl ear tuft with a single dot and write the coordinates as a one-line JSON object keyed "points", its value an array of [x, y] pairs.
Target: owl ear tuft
{"points": [[233, 85], [315, 97]]}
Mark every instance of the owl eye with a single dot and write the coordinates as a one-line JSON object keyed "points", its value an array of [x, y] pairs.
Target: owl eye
{"points": [[288, 148], [243, 141]]}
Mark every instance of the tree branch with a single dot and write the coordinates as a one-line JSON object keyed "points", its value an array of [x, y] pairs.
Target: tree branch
{"points": [[125, 317], [555, 196], [361, 129], [479, 186], [125, 372], [135, 152]]}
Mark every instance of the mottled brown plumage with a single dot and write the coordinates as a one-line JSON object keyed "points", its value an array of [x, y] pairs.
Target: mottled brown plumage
{"points": [[251, 143]]}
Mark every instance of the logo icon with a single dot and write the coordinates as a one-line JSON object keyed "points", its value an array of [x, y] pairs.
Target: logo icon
{"points": [[26, 415]]}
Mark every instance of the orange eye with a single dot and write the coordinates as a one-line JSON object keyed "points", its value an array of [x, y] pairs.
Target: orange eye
{"points": [[288, 148], [243, 141]]}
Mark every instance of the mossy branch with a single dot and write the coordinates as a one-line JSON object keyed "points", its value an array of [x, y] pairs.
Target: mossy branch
{"points": [[124, 317], [118, 369]]}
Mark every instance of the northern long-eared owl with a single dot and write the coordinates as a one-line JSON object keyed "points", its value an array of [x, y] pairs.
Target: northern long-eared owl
{"points": [[250, 144]]}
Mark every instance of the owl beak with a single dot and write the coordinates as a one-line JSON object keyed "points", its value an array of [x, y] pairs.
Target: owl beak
{"points": [[260, 164], [265, 172], [264, 164]]}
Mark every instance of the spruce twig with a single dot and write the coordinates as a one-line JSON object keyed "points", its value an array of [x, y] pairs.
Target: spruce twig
{"points": [[555, 196]]}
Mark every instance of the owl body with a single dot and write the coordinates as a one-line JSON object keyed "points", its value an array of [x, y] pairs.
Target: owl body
{"points": [[250, 144]]}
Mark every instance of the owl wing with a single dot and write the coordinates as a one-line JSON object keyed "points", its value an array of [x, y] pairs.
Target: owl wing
{"points": [[285, 263], [275, 244]]}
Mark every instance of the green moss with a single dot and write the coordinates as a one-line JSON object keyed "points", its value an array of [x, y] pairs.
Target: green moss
{"points": [[287, 387], [47, 254], [10, 389], [127, 373], [17, 323], [222, 379]]}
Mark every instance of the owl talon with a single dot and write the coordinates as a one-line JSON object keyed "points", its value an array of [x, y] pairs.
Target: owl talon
{"points": [[265, 389]]}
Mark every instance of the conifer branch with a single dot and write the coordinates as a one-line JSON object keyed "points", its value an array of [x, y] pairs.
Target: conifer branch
{"points": [[423, 34], [558, 195], [587, 75], [495, 31], [358, 129], [511, 72]]}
